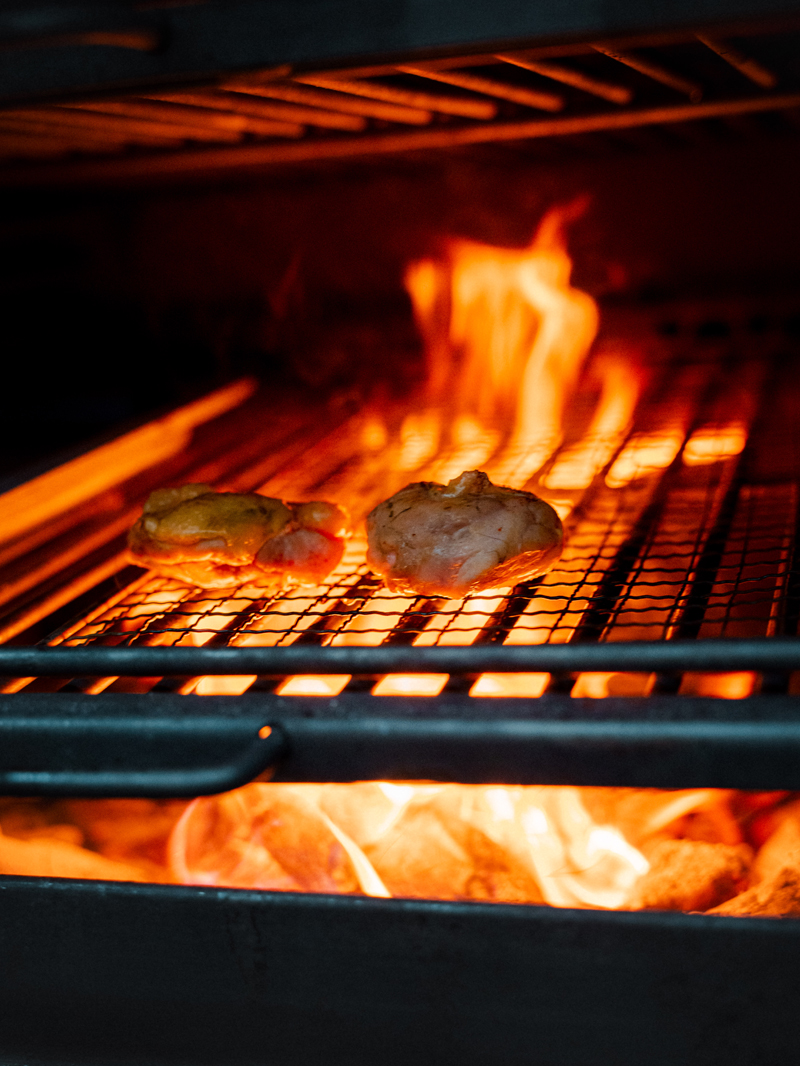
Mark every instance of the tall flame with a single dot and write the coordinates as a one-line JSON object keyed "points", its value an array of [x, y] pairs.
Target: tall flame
{"points": [[506, 336]]}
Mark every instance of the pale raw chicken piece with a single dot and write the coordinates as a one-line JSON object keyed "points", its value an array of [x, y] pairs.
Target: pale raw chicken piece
{"points": [[217, 539], [468, 535]]}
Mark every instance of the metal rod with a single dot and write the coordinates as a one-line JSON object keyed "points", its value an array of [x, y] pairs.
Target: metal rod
{"points": [[466, 107], [257, 155], [259, 110], [333, 101], [617, 94], [489, 87], [653, 70], [751, 68], [168, 744], [772, 653]]}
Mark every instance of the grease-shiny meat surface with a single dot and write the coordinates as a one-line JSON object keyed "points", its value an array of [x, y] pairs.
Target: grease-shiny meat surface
{"points": [[468, 535], [217, 539]]}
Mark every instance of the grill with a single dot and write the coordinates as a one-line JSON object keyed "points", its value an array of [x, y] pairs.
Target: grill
{"points": [[659, 653], [697, 550], [305, 111]]}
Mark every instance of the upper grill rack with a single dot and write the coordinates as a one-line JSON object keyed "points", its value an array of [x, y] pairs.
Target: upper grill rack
{"points": [[684, 551], [286, 115]]}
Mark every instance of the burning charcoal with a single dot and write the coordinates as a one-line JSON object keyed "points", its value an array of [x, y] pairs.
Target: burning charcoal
{"points": [[692, 875], [483, 822], [418, 856], [219, 539], [53, 857], [782, 848], [777, 897], [264, 836], [776, 870], [468, 535], [134, 831]]}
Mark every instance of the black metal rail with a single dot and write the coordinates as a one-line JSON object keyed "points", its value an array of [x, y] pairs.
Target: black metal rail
{"points": [[774, 653], [165, 744]]}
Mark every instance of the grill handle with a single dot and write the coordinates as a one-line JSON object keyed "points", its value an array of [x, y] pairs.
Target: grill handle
{"points": [[133, 756]]}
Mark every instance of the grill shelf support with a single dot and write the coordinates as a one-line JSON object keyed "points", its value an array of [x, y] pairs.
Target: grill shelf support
{"points": [[166, 744], [772, 653]]}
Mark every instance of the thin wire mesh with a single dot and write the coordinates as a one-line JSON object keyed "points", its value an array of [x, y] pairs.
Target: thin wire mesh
{"points": [[630, 570]]}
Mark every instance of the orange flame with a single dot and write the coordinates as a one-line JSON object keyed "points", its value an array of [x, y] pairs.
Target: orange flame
{"points": [[528, 844], [506, 336], [711, 444]]}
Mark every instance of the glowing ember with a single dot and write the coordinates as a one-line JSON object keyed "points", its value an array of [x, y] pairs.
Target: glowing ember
{"points": [[644, 454], [615, 848], [510, 685], [313, 685], [410, 685], [380, 839], [711, 444]]}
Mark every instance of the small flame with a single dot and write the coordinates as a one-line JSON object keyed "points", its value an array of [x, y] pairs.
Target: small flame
{"points": [[711, 444], [645, 454], [577, 466], [313, 685]]}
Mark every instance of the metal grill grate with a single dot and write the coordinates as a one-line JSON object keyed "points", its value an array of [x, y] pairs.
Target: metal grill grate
{"points": [[680, 550], [284, 116]]}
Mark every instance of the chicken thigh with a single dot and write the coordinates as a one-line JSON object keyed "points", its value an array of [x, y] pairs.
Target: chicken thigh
{"points": [[216, 539], [468, 535]]}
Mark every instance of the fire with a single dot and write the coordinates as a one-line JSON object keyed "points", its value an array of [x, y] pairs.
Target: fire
{"points": [[577, 465], [711, 444], [507, 340], [707, 850], [526, 844], [506, 336]]}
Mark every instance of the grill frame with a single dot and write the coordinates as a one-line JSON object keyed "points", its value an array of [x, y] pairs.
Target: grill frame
{"points": [[160, 975], [165, 744], [106, 98]]}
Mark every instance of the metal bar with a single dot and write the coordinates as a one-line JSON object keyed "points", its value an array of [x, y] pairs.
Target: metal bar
{"points": [[644, 754], [617, 94], [751, 68], [166, 744], [543, 101], [466, 107], [767, 653], [260, 110], [257, 155], [167, 974], [656, 71], [332, 101]]}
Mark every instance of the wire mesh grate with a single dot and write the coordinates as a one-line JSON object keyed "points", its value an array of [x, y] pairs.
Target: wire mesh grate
{"points": [[679, 548]]}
